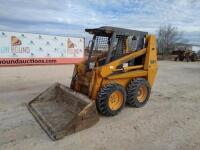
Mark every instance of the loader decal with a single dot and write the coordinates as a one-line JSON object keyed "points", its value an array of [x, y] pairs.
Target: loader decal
{"points": [[16, 46], [152, 61], [70, 44], [15, 41], [73, 50]]}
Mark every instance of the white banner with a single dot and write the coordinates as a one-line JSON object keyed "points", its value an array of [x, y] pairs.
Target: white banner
{"points": [[27, 45]]}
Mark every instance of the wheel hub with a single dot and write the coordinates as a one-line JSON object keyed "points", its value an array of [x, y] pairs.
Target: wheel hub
{"points": [[115, 100], [142, 93]]}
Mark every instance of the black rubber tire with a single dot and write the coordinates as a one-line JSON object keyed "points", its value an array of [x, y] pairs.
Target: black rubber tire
{"points": [[132, 91], [103, 97]]}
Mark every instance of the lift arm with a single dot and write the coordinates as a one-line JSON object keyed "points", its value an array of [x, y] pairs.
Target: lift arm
{"points": [[109, 68]]}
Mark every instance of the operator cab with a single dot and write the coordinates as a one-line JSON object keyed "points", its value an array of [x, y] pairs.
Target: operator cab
{"points": [[110, 43]]}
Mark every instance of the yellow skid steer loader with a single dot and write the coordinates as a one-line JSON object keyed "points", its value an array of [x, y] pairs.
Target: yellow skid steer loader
{"points": [[120, 68]]}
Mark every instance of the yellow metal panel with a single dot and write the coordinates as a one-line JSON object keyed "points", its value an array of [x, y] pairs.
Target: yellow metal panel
{"points": [[151, 64], [132, 68], [129, 68], [96, 86], [92, 83], [108, 69], [131, 74]]}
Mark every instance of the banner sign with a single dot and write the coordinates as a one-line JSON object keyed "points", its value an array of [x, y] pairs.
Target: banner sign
{"points": [[29, 49]]}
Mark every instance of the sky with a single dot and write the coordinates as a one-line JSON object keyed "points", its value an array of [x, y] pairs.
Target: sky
{"points": [[71, 17]]}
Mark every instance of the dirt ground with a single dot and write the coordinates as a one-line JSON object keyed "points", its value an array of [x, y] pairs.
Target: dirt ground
{"points": [[170, 121]]}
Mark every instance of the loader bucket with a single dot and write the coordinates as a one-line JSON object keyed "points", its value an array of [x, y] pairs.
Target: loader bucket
{"points": [[60, 111]]}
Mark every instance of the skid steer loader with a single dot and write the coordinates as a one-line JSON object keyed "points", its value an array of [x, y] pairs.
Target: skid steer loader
{"points": [[124, 72]]}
